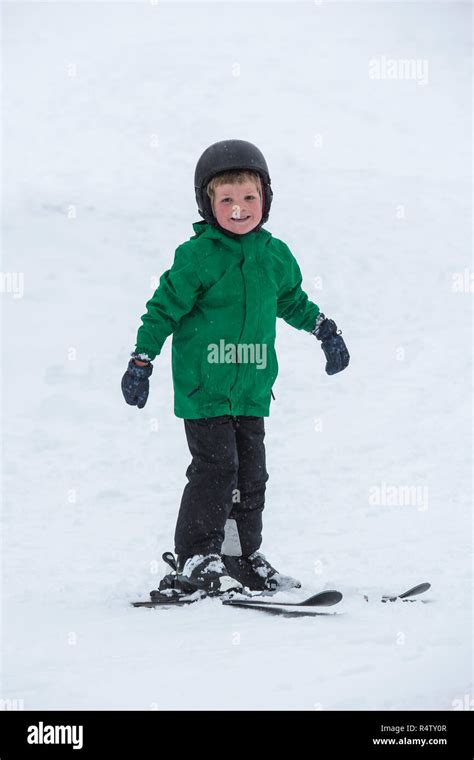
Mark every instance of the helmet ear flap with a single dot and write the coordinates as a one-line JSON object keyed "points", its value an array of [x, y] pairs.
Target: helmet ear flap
{"points": [[204, 205], [267, 196]]}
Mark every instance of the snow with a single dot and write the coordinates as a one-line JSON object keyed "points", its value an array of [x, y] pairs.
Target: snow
{"points": [[106, 110]]}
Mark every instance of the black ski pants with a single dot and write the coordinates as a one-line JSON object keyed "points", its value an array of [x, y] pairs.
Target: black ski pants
{"points": [[226, 479]]}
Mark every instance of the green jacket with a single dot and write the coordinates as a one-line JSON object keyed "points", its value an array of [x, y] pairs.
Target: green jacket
{"points": [[220, 299]]}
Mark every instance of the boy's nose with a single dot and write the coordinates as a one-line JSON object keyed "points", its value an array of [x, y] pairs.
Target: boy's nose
{"points": [[238, 211]]}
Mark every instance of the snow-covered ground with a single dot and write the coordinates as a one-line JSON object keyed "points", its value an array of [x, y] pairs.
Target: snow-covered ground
{"points": [[106, 108]]}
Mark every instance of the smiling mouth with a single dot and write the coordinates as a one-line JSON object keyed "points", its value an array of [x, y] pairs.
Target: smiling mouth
{"points": [[244, 219]]}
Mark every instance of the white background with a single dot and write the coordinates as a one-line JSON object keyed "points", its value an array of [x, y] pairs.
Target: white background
{"points": [[378, 208]]}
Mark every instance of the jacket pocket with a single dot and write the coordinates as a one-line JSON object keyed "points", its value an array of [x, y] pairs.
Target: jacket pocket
{"points": [[261, 381], [217, 378], [272, 369]]}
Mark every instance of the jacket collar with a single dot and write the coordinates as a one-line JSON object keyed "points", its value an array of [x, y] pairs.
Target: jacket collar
{"points": [[232, 239]]}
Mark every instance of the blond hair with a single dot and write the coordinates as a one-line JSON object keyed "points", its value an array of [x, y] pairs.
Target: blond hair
{"points": [[237, 177]]}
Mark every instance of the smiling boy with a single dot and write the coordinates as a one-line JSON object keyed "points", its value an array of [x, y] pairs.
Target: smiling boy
{"points": [[227, 286], [237, 207]]}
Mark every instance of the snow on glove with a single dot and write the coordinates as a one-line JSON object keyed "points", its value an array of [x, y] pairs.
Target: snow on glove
{"points": [[135, 384], [332, 343]]}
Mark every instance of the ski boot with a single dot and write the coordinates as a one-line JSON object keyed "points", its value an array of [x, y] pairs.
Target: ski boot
{"points": [[203, 573], [257, 574]]}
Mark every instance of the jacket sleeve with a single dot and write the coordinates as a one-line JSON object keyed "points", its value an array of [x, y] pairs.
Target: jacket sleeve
{"points": [[293, 304], [174, 297]]}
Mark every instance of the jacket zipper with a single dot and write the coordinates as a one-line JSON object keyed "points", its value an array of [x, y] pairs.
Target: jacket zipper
{"points": [[241, 332]]}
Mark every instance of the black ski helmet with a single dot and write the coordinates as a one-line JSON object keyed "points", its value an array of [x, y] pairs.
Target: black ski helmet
{"points": [[225, 156]]}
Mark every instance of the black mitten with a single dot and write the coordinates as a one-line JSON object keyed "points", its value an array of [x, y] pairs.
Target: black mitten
{"points": [[135, 384], [332, 343]]}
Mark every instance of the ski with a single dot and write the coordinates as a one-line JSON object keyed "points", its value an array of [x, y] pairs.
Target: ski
{"points": [[323, 599], [304, 608], [264, 602], [405, 596], [174, 593]]}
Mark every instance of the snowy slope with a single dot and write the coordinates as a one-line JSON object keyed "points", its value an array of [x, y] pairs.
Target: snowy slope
{"points": [[107, 108]]}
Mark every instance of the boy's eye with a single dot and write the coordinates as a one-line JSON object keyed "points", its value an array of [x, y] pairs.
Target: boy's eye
{"points": [[247, 197]]}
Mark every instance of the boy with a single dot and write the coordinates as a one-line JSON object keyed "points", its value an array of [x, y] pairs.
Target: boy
{"points": [[220, 299]]}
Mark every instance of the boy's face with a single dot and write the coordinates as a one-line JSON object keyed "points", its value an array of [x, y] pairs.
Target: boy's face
{"points": [[237, 208]]}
